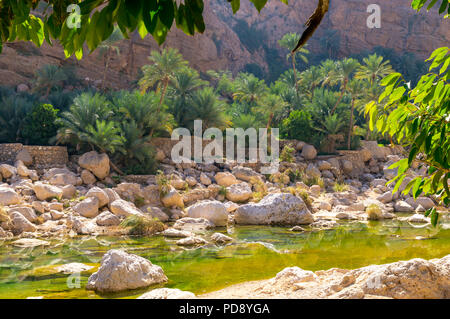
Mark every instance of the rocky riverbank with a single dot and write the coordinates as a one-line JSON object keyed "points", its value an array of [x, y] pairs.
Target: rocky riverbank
{"points": [[88, 198], [411, 279]]}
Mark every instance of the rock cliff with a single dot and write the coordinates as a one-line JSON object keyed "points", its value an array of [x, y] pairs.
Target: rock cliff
{"points": [[225, 45]]}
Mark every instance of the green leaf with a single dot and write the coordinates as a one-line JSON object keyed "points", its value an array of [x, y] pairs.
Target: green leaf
{"points": [[235, 5], [259, 4]]}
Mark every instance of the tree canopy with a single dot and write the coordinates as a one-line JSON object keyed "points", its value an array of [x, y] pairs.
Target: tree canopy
{"points": [[93, 20]]}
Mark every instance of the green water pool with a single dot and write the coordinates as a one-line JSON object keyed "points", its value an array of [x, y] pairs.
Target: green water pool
{"points": [[258, 252]]}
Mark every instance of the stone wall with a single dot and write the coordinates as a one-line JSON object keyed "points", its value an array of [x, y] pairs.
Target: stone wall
{"points": [[43, 156], [166, 144]]}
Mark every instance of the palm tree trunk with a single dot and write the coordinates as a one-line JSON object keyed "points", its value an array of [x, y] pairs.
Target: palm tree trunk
{"points": [[295, 72], [344, 87], [269, 122], [116, 168], [163, 93], [350, 130]]}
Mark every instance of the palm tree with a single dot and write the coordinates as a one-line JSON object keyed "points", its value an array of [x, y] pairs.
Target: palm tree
{"points": [[104, 136], [206, 106], [332, 126], [181, 90], [327, 68], [13, 111], [48, 77], [341, 76], [270, 104], [85, 111], [311, 78], [139, 108], [246, 121], [107, 47], [356, 89], [249, 89], [289, 41], [373, 69], [162, 70], [139, 153]]}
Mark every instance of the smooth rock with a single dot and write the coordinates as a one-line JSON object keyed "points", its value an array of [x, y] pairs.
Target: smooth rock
{"points": [[121, 271], [281, 208], [96, 163]]}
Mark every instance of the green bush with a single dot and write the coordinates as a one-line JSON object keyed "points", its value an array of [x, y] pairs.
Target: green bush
{"points": [[287, 154], [40, 124], [297, 126]]}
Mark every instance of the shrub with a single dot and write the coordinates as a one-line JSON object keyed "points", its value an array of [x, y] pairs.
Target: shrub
{"points": [[223, 191], [163, 183], [313, 180], [287, 154], [340, 187], [139, 201], [142, 225], [260, 189], [298, 125], [374, 212], [40, 124], [294, 176], [303, 194]]}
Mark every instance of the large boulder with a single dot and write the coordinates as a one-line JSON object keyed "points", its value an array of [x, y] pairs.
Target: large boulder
{"points": [[7, 171], [413, 279], [22, 170], [280, 208], [25, 157], [100, 194], [8, 196], [402, 206], [425, 202], [309, 152], [225, 179], [97, 163], [121, 207], [45, 191], [212, 210], [27, 212], [107, 219], [155, 212], [87, 207], [21, 224], [87, 177], [65, 179], [239, 193], [121, 271], [244, 173], [172, 198]]}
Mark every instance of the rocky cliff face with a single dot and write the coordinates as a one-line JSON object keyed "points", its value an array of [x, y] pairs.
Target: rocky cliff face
{"points": [[224, 46]]}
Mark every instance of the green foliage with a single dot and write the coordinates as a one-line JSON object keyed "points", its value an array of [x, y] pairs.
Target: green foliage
{"points": [[206, 106], [418, 118], [374, 212], [40, 125], [340, 187], [287, 154], [48, 77], [97, 20], [297, 126], [13, 111], [142, 225], [162, 70], [163, 183]]}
